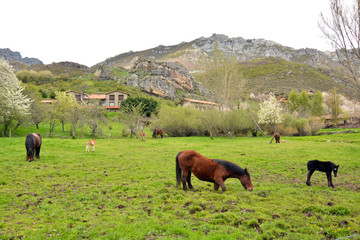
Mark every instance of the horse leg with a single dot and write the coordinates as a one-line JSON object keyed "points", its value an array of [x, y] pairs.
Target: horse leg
{"points": [[94, 148], [310, 173], [216, 186], [328, 175], [189, 180], [220, 182], [184, 178], [309, 176], [37, 152]]}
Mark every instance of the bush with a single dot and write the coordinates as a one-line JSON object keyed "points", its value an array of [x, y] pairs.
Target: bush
{"points": [[180, 122], [315, 125]]}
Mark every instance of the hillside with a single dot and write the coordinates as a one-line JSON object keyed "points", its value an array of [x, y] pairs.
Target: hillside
{"points": [[266, 65]]}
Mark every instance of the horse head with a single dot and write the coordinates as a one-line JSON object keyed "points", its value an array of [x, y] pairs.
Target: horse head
{"points": [[246, 181], [30, 155]]}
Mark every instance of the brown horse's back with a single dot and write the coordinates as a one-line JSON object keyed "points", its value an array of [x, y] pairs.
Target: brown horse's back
{"points": [[37, 139], [202, 167]]}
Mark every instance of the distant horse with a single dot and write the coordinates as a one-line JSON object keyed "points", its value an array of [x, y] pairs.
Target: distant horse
{"points": [[143, 135], [158, 132], [89, 144], [33, 144], [327, 167], [210, 170], [276, 136]]}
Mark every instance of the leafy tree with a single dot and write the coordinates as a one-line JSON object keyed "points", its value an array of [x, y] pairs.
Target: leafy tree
{"points": [[95, 117], [51, 117], [63, 105], [148, 105], [304, 104], [132, 119], [37, 110], [270, 112], [13, 103], [293, 101], [316, 106], [333, 102]]}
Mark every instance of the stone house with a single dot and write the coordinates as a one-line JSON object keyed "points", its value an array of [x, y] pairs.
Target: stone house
{"points": [[114, 99], [110, 100]]}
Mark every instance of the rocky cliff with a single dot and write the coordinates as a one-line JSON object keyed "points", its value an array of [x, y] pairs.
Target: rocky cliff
{"points": [[167, 79], [16, 56]]}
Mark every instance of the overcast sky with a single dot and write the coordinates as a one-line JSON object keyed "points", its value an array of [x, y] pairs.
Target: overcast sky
{"points": [[89, 31]]}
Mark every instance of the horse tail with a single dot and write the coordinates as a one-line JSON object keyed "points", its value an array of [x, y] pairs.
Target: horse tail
{"points": [[178, 170]]}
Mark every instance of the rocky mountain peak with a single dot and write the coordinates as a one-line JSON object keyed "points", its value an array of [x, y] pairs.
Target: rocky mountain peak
{"points": [[16, 56]]}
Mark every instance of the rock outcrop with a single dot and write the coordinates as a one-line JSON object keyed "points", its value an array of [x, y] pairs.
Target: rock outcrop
{"points": [[168, 79], [16, 56]]}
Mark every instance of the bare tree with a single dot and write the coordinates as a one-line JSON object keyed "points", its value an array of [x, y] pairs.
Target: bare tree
{"points": [[222, 76], [342, 29]]}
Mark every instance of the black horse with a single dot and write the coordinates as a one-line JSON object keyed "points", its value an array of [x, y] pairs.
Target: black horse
{"points": [[33, 144], [327, 167]]}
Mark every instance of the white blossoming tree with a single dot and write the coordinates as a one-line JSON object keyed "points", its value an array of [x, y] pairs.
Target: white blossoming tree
{"points": [[13, 103], [270, 112]]}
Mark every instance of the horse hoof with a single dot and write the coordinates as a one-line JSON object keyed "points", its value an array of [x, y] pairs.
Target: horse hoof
{"points": [[309, 184]]}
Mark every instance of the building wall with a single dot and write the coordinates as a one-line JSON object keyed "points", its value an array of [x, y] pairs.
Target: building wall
{"points": [[114, 99]]}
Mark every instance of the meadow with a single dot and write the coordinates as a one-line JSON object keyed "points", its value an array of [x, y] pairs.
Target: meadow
{"points": [[126, 190]]}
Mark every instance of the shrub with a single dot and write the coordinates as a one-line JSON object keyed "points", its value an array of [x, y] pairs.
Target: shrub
{"points": [[180, 122]]}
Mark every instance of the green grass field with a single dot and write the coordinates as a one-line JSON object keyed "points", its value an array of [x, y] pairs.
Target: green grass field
{"points": [[126, 190]]}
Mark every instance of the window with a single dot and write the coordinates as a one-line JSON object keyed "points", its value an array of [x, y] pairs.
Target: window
{"points": [[121, 97], [112, 97], [111, 104]]}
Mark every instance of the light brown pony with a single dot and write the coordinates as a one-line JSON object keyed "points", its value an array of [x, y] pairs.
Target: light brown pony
{"points": [[89, 144], [210, 170], [143, 135]]}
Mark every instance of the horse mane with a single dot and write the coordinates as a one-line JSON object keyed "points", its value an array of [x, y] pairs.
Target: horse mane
{"points": [[29, 143], [231, 166]]}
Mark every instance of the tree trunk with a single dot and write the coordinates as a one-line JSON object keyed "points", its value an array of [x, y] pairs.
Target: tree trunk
{"points": [[17, 125], [6, 127], [62, 125]]}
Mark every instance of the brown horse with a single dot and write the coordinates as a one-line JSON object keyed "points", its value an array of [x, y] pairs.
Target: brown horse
{"points": [[276, 136], [210, 170], [33, 144], [143, 136], [158, 132], [89, 144]]}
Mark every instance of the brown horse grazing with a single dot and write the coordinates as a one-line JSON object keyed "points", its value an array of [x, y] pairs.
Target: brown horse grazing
{"points": [[33, 144], [210, 170], [89, 144], [276, 136], [158, 132], [143, 136]]}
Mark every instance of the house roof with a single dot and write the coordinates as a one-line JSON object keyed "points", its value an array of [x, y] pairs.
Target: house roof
{"points": [[199, 101], [112, 107], [96, 96], [117, 91], [49, 101]]}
